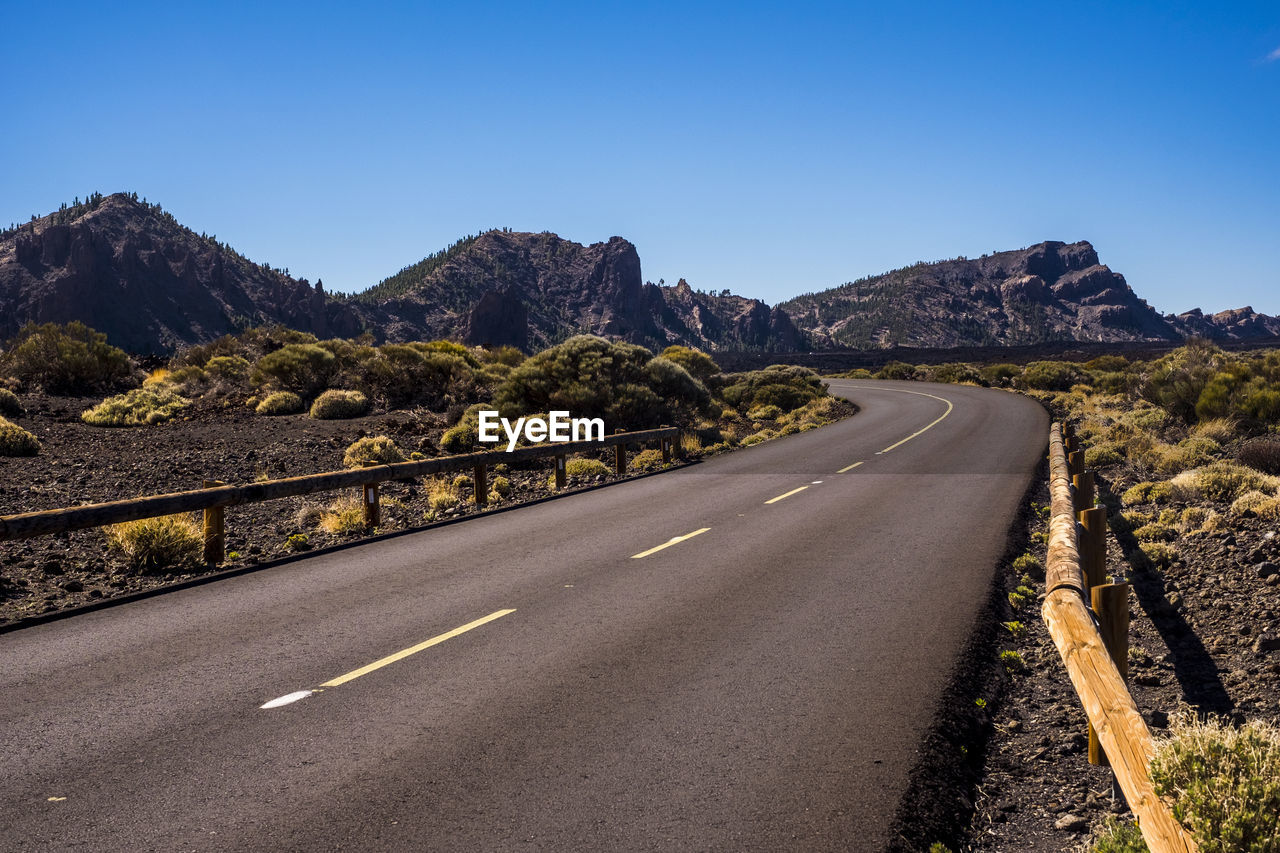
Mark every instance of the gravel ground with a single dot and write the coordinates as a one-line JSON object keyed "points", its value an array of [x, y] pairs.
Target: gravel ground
{"points": [[80, 464]]}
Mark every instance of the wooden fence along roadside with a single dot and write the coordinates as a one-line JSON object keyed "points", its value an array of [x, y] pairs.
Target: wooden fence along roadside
{"points": [[1113, 716], [213, 499]]}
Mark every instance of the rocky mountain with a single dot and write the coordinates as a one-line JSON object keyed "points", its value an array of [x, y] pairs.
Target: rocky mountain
{"points": [[1051, 291], [1048, 292], [533, 290], [129, 269]]}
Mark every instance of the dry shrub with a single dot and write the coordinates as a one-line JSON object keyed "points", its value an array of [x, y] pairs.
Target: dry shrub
{"points": [[1261, 454], [151, 404], [155, 544], [1220, 430], [1249, 502], [345, 515], [442, 494]]}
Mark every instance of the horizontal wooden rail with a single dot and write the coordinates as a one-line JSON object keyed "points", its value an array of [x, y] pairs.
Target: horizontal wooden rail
{"points": [[1105, 696], [30, 524]]}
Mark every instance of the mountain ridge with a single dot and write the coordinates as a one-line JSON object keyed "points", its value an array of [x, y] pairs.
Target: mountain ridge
{"points": [[131, 270]]}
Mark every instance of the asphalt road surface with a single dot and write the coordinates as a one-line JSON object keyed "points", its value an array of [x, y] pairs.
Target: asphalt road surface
{"points": [[549, 678]]}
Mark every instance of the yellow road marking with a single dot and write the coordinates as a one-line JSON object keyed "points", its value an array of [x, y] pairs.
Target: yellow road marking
{"points": [[413, 650], [675, 540], [787, 495], [848, 467], [920, 431], [57, 799]]}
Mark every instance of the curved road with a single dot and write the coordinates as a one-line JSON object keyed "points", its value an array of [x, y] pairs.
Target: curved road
{"points": [[761, 685]]}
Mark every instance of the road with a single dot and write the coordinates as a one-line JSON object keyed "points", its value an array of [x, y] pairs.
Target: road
{"points": [[762, 682]]}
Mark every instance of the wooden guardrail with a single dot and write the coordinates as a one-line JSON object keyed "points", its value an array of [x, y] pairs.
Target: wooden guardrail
{"points": [[1113, 716], [213, 499]]}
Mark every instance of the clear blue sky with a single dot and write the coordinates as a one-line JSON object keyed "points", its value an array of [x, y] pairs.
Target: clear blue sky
{"points": [[771, 149]]}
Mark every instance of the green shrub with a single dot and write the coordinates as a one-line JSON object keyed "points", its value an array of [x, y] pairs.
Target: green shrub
{"points": [[337, 404], [1000, 374], [155, 544], [1108, 364], [698, 364], [301, 368], [1221, 481], [70, 359], [1155, 533], [153, 404], [955, 373], [1103, 455], [580, 468], [508, 356], [1224, 784], [379, 449], [647, 460], [280, 403], [500, 486], [1161, 555], [229, 369], [1248, 502], [297, 542], [16, 441], [756, 438], [896, 370], [419, 373], [1117, 836], [1029, 564], [787, 387], [1016, 628], [1012, 661], [10, 405], [1050, 375], [1017, 600], [592, 377]]}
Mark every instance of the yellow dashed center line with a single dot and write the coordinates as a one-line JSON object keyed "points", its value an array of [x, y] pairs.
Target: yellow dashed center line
{"points": [[675, 540], [786, 495], [848, 468], [413, 650]]}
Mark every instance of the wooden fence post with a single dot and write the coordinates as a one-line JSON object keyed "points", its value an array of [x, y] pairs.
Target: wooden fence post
{"points": [[561, 476], [481, 484], [1093, 545], [620, 457], [215, 538], [1111, 604], [665, 444], [1075, 463], [372, 509], [1084, 490]]}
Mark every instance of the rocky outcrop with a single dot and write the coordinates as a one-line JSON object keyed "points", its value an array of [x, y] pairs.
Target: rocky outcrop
{"points": [[130, 270], [1236, 324], [1048, 292], [535, 290]]}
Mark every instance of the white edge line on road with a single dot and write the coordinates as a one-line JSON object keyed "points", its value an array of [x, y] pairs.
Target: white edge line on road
{"points": [[786, 495], [287, 699], [920, 431], [675, 540]]}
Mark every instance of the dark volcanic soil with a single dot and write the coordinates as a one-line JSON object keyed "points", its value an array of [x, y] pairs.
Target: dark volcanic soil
{"points": [[1202, 636], [81, 464]]}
